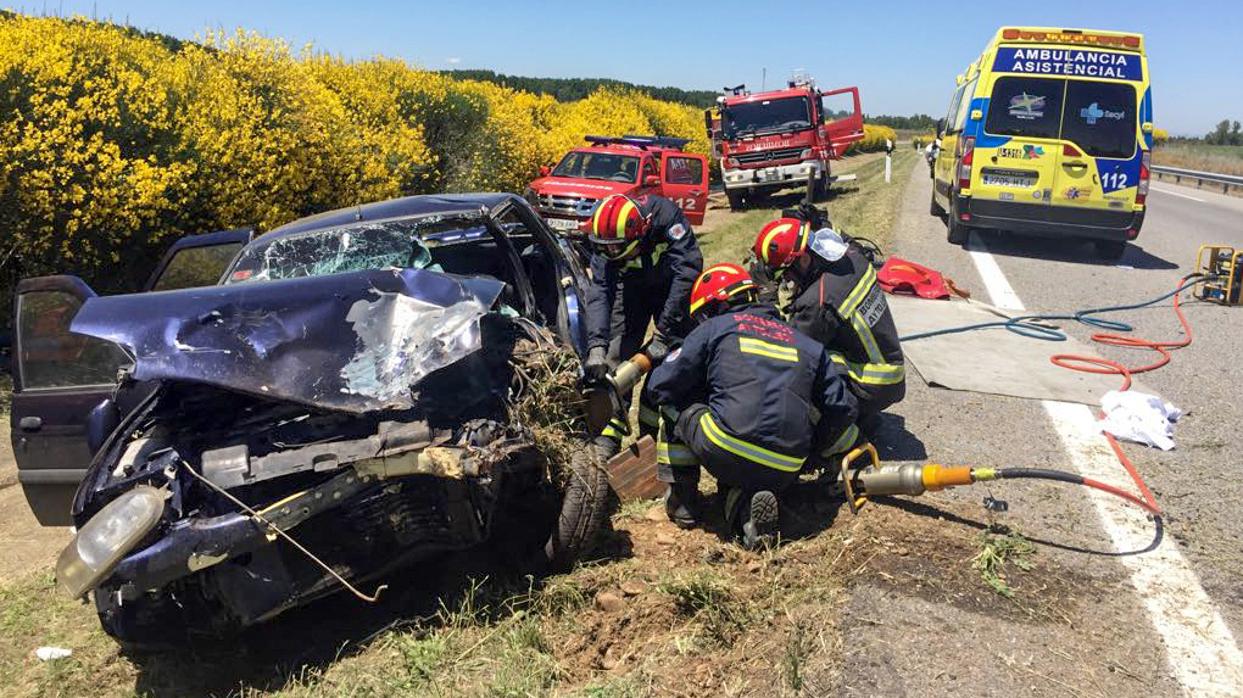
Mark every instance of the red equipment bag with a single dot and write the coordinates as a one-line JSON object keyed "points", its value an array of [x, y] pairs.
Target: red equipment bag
{"points": [[902, 276]]}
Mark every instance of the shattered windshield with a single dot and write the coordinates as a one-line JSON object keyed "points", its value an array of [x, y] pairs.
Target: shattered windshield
{"points": [[767, 116], [361, 247], [586, 164]]}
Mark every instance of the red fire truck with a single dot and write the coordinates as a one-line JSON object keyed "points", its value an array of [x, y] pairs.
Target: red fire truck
{"points": [[777, 139], [565, 195]]}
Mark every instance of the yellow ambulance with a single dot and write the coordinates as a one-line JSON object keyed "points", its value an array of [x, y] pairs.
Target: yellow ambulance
{"points": [[1049, 133]]}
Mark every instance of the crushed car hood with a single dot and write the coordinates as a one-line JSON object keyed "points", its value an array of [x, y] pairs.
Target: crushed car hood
{"points": [[353, 342]]}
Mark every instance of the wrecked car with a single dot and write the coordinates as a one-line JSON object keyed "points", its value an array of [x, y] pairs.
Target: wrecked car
{"points": [[340, 404]]}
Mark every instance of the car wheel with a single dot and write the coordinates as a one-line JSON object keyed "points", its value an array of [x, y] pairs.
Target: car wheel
{"points": [[584, 508], [955, 232], [1111, 250], [736, 202], [934, 208]]}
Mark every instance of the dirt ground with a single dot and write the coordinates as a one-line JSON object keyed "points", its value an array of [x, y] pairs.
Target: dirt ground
{"points": [[24, 544]]}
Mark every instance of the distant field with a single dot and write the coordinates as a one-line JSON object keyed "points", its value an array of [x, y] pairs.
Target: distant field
{"points": [[1225, 159]]}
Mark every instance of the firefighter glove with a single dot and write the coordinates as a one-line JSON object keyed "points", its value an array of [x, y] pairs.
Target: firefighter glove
{"points": [[596, 367]]}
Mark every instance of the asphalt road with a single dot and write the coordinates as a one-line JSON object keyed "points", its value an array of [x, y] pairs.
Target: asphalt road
{"points": [[1138, 611]]}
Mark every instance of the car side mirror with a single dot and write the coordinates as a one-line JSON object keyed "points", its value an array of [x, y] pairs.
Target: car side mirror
{"points": [[940, 126], [544, 170], [100, 423], [651, 181]]}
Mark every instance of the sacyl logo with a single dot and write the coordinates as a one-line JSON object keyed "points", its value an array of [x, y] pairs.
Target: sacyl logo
{"points": [[1092, 113]]}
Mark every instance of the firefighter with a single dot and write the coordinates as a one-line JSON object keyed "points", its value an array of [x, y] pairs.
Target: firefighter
{"points": [[644, 262], [836, 301], [738, 398]]}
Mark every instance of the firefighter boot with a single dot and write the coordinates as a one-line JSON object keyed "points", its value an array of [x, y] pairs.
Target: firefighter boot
{"points": [[754, 518], [682, 504]]}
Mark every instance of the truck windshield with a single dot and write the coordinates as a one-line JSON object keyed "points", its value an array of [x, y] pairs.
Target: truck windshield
{"points": [[585, 164], [767, 116], [334, 251]]}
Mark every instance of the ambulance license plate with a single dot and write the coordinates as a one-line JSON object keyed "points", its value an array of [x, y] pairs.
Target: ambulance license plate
{"points": [[1008, 179]]}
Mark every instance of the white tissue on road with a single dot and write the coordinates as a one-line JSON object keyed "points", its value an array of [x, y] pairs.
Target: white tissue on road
{"points": [[47, 654], [1140, 417]]}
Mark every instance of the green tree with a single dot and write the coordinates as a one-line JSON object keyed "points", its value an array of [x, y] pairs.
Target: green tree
{"points": [[1219, 135]]}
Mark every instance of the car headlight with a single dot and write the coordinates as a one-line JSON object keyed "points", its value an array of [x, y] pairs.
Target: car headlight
{"points": [[109, 536]]}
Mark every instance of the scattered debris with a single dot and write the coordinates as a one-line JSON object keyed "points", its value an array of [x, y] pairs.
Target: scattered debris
{"points": [[999, 548], [48, 654], [1139, 417]]}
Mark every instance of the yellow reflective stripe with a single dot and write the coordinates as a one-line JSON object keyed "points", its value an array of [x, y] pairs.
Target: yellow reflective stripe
{"points": [[622, 217], [648, 416], [637, 262], [858, 293], [616, 429], [872, 373], [867, 339], [752, 345], [675, 454], [747, 450], [595, 220], [845, 441]]}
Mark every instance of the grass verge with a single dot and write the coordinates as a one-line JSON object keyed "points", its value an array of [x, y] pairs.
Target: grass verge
{"points": [[864, 207]]}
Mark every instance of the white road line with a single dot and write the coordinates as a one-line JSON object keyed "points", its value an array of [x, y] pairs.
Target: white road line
{"points": [[1200, 648], [1171, 192], [999, 288]]}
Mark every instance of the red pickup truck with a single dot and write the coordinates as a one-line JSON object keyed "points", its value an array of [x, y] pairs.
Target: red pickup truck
{"points": [[566, 194]]}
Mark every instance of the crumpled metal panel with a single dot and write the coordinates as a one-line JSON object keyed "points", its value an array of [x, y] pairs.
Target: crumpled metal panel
{"points": [[353, 342]]}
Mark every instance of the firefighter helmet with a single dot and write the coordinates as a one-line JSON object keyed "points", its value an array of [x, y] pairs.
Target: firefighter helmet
{"points": [[780, 242], [617, 226], [719, 283]]}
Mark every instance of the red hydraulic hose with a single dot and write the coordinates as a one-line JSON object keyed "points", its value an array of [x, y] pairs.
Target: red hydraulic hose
{"points": [[1099, 365]]}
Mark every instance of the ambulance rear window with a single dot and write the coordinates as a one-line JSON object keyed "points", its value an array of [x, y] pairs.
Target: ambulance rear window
{"points": [[1100, 118], [1028, 107]]}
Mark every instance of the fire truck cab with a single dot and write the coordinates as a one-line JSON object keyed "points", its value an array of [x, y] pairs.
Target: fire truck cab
{"points": [[777, 139]]}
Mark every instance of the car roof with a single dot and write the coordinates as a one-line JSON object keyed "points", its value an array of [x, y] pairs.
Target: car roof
{"points": [[405, 207]]}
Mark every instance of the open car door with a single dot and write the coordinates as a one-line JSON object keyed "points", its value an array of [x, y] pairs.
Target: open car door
{"points": [[198, 260], [58, 378], [845, 125], [684, 179]]}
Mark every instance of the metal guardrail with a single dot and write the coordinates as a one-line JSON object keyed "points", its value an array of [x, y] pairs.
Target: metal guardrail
{"points": [[1226, 181]]}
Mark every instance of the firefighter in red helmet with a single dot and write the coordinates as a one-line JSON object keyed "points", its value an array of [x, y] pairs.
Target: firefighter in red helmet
{"points": [[738, 398], [644, 262], [837, 302]]}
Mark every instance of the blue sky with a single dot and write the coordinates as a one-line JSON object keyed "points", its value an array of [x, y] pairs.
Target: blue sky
{"points": [[903, 55]]}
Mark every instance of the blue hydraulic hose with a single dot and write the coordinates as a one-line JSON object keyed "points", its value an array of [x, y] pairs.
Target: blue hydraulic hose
{"points": [[1022, 324]]}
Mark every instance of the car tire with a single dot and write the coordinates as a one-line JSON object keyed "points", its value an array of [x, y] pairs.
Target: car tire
{"points": [[955, 232], [736, 200], [1111, 250], [584, 509], [934, 209]]}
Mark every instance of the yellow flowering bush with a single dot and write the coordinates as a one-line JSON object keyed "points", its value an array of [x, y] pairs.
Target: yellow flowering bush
{"points": [[114, 142]]}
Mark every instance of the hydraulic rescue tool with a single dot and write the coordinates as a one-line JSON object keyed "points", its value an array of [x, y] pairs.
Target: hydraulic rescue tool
{"points": [[1222, 267], [604, 397], [871, 479]]}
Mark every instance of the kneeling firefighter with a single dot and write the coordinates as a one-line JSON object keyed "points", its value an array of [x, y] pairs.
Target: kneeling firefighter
{"points": [[738, 397], [837, 302], [644, 262]]}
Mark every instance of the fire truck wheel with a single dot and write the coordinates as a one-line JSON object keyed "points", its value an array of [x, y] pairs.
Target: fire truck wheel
{"points": [[736, 200]]}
